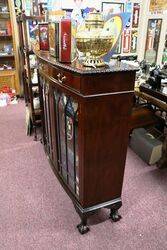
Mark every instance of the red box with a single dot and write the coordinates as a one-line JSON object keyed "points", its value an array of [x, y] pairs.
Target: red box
{"points": [[65, 49], [43, 36]]}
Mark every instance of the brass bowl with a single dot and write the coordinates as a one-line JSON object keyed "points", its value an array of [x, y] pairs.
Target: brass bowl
{"points": [[93, 40], [94, 49], [95, 46]]}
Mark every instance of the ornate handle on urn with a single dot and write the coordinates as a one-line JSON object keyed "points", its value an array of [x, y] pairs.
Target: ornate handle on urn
{"points": [[61, 78]]}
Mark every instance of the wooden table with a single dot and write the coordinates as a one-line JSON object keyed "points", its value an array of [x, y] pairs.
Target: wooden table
{"points": [[159, 99]]}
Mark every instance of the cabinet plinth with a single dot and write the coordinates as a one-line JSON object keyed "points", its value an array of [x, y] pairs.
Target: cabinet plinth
{"points": [[85, 131]]}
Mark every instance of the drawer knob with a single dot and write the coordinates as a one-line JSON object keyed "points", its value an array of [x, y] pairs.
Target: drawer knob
{"points": [[61, 78]]}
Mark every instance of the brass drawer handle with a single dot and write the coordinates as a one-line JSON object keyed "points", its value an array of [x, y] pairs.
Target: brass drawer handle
{"points": [[61, 78]]}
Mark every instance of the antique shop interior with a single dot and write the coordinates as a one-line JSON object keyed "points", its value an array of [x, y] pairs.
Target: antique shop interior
{"points": [[83, 124]]}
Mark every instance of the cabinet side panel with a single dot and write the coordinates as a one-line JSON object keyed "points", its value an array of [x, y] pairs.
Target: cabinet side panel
{"points": [[105, 146]]}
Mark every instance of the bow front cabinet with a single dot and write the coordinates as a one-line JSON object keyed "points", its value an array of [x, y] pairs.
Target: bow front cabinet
{"points": [[86, 116]]}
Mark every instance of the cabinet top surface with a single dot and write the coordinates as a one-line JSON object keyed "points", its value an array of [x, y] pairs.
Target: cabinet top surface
{"points": [[77, 67]]}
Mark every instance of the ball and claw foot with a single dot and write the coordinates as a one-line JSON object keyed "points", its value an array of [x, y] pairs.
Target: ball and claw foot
{"points": [[83, 229], [115, 216]]}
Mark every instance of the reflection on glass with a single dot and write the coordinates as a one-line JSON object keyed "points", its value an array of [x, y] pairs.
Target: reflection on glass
{"points": [[152, 42], [67, 133], [61, 109], [71, 127], [164, 57], [47, 121]]}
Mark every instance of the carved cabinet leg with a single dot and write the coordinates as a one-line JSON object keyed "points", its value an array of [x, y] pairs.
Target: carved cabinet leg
{"points": [[82, 227], [114, 215], [35, 133]]}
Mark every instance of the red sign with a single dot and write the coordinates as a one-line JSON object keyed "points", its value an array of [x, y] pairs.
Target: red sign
{"points": [[136, 13], [126, 41], [65, 41]]}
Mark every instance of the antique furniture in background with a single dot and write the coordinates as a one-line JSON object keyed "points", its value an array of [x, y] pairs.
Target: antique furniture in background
{"points": [[157, 98], [29, 70], [9, 60], [85, 130]]}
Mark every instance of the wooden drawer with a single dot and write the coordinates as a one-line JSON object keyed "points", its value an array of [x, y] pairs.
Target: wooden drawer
{"points": [[114, 82], [62, 76], [7, 80]]}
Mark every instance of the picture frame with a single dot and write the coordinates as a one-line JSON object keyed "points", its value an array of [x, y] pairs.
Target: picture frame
{"points": [[152, 40], [135, 15], [126, 41], [134, 38], [158, 5], [43, 36], [112, 7]]}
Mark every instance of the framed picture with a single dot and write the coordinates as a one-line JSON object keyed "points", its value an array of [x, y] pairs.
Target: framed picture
{"points": [[152, 41], [134, 35], [126, 41], [112, 7], [43, 36], [158, 5], [136, 13]]}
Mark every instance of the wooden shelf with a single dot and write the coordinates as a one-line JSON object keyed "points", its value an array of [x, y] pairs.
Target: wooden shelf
{"points": [[31, 68], [6, 37], [10, 77], [7, 72], [28, 52], [35, 18], [30, 83], [34, 84], [37, 111], [6, 56], [4, 15]]}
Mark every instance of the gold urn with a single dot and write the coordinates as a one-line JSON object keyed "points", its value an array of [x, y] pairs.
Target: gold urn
{"points": [[93, 40]]}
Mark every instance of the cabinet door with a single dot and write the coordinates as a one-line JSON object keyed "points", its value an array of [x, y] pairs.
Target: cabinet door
{"points": [[60, 133], [46, 118], [67, 137], [53, 126]]}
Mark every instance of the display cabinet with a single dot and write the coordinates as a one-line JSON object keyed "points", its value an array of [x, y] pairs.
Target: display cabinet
{"points": [[9, 63], [29, 69], [85, 130]]}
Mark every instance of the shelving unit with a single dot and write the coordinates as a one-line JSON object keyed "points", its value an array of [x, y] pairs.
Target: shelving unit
{"points": [[32, 89], [9, 63]]}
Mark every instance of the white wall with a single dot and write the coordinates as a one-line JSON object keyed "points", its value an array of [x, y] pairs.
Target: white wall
{"points": [[69, 4], [90, 3]]}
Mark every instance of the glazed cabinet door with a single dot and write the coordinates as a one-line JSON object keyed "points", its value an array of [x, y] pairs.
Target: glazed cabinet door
{"points": [[66, 113], [60, 133]]}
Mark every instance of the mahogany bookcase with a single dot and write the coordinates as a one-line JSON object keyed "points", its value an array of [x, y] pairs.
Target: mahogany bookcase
{"points": [[85, 121]]}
